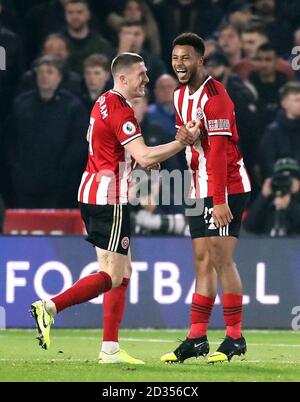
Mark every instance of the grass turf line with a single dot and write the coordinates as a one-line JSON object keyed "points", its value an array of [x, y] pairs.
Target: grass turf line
{"points": [[272, 356]]}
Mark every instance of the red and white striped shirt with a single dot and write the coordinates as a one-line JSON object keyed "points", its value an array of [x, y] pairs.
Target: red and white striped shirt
{"points": [[107, 175], [214, 161]]}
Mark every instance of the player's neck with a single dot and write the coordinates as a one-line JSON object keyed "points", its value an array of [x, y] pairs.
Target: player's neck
{"points": [[196, 83], [122, 92]]}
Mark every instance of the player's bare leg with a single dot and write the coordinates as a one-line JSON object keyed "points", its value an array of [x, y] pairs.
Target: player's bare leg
{"points": [[196, 343], [113, 311], [221, 251], [205, 290], [205, 274], [221, 256]]}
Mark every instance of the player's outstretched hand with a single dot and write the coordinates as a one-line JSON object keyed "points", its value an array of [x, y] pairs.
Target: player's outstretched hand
{"points": [[222, 215], [184, 136], [188, 134], [194, 127]]}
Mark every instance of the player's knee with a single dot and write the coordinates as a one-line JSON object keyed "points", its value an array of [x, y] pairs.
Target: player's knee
{"points": [[202, 261], [116, 280], [128, 270], [115, 275], [217, 257]]}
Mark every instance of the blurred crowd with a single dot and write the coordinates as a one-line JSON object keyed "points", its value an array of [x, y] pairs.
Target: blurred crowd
{"points": [[58, 55]]}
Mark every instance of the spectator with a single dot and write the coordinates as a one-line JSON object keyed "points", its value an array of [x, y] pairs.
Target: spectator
{"points": [[132, 39], [96, 72], [140, 11], [253, 36], [276, 211], [41, 20], [14, 67], [230, 42], [55, 45], [48, 147], [217, 66], [278, 30], [239, 14], [162, 111], [212, 46], [267, 82], [281, 138], [83, 41], [177, 16]]}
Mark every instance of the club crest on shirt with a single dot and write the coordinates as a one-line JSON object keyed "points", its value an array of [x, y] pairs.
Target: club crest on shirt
{"points": [[128, 128], [199, 113], [125, 243]]}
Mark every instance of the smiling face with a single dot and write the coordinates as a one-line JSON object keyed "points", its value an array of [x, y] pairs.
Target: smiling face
{"points": [[135, 79], [186, 63]]}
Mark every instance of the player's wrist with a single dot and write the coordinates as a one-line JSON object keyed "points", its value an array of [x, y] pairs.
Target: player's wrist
{"points": [[219, 200], [179, 143]]}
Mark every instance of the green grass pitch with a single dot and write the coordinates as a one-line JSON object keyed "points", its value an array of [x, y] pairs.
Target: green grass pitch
{"points": [[272, 356]]}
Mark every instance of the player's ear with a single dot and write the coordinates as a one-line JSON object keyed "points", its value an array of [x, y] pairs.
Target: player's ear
{"points": [[201, 60], [123, 79]]}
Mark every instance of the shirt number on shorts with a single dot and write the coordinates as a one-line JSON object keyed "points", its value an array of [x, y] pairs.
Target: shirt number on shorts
{"points": [[208, 215]]}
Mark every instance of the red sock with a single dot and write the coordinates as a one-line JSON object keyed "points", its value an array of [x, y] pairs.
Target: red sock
{"points": [[200, 314], [114, 306], [83, 290], [233, 314]]}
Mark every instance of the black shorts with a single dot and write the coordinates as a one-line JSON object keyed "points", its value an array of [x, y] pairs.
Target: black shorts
{"points": [[107, 226], [203, 225]]}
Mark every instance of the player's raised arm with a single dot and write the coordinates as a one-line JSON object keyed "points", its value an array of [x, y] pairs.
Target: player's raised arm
{"points": [[148, 156]]}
